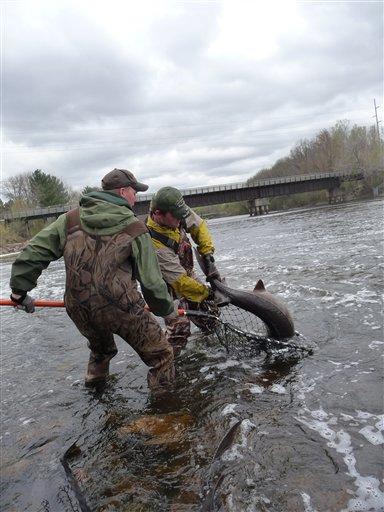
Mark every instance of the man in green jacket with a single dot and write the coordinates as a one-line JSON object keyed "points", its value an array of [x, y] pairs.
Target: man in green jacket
{"points": [[106, 249]]}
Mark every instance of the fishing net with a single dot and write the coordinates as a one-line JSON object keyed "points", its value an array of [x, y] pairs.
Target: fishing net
{"points": [[239, 330], [208, 317], [242, 321]]}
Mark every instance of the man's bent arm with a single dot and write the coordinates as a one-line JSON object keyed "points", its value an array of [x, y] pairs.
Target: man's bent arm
{"points": [[198, 228], [45, 247], [175, 275]]}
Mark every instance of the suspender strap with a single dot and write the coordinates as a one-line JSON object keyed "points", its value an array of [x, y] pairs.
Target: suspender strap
{"points": [[73, 221], [135, 229], [165, 240]]}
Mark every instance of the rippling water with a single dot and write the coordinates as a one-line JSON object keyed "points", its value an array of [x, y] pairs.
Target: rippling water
{"points": [[310, 436]]}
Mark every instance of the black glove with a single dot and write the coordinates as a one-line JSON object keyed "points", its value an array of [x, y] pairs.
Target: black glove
{"points": [[210, 268], [217, 297], [24, 302]]}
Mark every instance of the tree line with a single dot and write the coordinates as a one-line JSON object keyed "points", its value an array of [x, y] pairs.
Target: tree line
{"points": [[32, 190], [341, 147], [336, 149], [37, 189]]}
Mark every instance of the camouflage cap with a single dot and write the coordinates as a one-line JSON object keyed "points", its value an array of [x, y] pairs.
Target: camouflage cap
{"points": [[169, 199], [119, 178]]}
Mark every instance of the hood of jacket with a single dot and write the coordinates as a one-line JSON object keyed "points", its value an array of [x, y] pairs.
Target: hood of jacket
{"points": [[104, 213]]}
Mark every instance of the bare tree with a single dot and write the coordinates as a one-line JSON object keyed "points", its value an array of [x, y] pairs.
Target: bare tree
{"points": [[338, 148], [17, 189], [301, 157]]}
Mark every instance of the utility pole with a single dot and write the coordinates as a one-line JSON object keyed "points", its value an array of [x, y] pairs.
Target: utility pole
{"points": [[377, 120]]}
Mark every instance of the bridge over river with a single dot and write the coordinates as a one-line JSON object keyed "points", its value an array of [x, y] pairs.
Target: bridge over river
{"points": [[256, 192]]}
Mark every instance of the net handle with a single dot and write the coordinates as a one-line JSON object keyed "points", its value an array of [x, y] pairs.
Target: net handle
{"points": [[43, 303]]}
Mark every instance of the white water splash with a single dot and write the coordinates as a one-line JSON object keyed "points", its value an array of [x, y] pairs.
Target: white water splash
{"points": [[307, 502], [229, 409], [374, 434], [369, 497], [256, 390], [278, 389]]}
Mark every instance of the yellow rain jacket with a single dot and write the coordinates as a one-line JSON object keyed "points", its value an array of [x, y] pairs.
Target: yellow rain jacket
{"points": [[183, 282]]}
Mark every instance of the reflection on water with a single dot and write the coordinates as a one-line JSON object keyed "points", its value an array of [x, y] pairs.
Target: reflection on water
{"points": [[307, 431]]}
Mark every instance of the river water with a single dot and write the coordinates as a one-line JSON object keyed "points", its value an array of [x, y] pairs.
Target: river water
{"points": [[310, 429]]}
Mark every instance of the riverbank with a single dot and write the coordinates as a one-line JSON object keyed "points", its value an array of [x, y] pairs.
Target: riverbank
{"points": [[10, 249]]}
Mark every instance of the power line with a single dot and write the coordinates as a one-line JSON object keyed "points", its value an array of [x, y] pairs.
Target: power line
{"points": [[203, 123], [377, 120]]}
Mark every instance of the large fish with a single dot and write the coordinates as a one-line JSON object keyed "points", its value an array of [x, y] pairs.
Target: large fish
{"points": [[271, 310], [216, 477], [74, 450]]}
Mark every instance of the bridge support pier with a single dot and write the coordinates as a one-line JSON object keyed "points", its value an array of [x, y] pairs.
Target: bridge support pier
{"points": [[258, 206], [336, 195]]}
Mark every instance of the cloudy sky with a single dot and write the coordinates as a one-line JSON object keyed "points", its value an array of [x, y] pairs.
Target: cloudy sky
{"points": [[187, 93]]}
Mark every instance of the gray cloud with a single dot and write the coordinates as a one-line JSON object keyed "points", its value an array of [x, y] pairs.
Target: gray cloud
{"points": [[159, 98]]}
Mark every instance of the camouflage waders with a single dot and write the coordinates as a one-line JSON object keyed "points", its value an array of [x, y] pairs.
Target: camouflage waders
{"points": [[102, 300]]}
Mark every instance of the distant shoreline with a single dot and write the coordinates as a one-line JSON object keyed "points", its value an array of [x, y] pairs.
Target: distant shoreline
{"points": [[13, 249]]}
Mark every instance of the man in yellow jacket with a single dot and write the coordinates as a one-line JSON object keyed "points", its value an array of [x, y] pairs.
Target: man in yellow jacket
{"points": [[169, 222]]}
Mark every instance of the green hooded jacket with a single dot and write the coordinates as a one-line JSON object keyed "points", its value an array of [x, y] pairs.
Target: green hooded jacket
{"points": [[101, 213]]}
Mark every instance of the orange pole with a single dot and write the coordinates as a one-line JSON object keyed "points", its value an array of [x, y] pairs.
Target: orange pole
{"points": [[38, 303], [58, 304]]}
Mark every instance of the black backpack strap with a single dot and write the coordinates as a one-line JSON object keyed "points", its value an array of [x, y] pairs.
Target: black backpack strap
{"points": [[165, 240], [73, 221]]}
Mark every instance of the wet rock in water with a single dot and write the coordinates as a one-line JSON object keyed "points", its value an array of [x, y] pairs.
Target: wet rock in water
{"points": [[16, 469], [109, 505], [113, 418], [81, 475], [185, 502], [162, 429], [130, 485]]}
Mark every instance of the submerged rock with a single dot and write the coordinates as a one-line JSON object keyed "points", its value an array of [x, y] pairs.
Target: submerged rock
{"points": [[162, 428]]}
